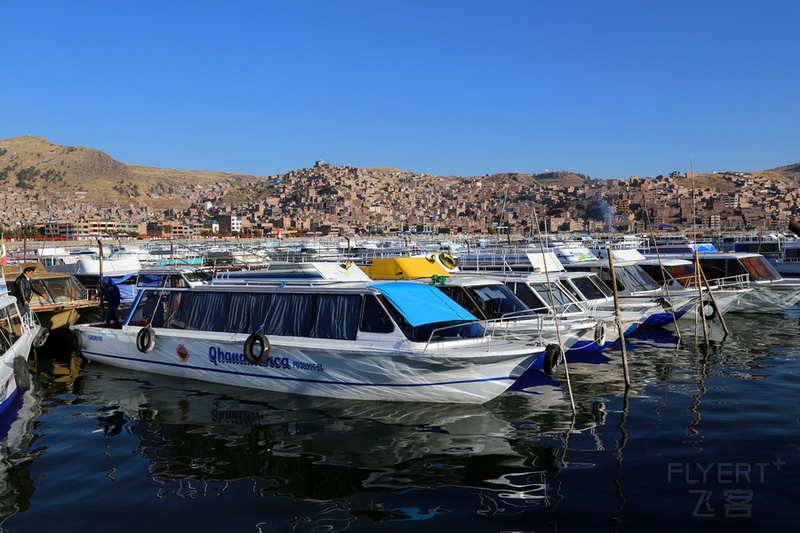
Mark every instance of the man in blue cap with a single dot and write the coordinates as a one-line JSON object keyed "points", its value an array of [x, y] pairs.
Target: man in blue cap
{"points": [[110, 293]]}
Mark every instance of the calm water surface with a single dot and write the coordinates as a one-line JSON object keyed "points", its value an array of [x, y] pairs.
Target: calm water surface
{"points": [[707, 436]]}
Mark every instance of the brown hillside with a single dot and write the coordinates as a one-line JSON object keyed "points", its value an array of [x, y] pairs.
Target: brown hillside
{"points": [[35, 163]]}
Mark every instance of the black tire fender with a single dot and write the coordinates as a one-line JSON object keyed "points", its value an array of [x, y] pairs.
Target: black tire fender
{"points": [[250, 349], [146, 339], [76, 340], [552, 358], [22, 374], [708, 309], [600, 334]]}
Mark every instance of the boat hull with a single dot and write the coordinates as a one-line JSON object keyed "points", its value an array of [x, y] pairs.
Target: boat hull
{"points": [[328, 368], [770, 297]]}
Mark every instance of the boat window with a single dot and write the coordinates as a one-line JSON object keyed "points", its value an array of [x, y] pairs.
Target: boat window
{"points": [[722, 267], [246, 312], [655, 272], [759, 268], [207, 310], [633, 278], [374, 317], [563, 303], [462, 298], [336, 316], [498, 301], [151, 309], [686, 275], [178, 309], [10, 327], [714, 268], [61, 289], [290, 315], [529, 297], [591, 288]]}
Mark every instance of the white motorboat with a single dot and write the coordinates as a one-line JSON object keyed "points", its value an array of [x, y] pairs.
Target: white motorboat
{"points": [[383, 341], [634, 285], [489, 299], [771, 293], [17, 336]]}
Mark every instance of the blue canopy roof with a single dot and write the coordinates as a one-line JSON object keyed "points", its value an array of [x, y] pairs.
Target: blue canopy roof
{"points": [[422, 304]]}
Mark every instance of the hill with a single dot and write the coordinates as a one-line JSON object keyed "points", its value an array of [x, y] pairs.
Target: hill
{"points": [[35, 164], [60, 173], [790, 172]]}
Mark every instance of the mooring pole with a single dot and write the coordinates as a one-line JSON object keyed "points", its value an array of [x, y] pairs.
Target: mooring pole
{"points": [[619, 319]]}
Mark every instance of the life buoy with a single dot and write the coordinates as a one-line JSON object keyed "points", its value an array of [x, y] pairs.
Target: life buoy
{"points": [[41, 338], [552, 358], [600, 335], [250, 351], [146, 339], [22, 375], [447, 260]]}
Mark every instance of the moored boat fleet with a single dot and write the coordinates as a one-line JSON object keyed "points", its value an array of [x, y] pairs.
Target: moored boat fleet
{"points": [[403, 322]]}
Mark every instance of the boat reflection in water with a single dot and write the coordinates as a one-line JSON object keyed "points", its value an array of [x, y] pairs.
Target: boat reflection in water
{"points": [[200, 440], [16, 439]]}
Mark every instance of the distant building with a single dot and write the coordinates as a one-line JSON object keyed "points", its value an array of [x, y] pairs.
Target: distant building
{"points": [[229, 224]]}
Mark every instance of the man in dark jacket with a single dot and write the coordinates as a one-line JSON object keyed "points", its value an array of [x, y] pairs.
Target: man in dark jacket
{"points": [[111, 297], [24, 289]]}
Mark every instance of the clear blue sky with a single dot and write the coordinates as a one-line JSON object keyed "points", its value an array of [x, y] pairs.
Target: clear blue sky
{"points": [[608, 89]]}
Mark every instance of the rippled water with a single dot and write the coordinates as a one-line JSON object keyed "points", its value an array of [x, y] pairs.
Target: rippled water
{"points": [[706, 436]]}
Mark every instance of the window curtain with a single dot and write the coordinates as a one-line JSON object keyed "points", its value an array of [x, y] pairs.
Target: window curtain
{"points": [[336, 316]]}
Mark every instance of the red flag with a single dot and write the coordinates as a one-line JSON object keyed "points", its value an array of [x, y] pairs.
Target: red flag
{"points": [[278, 234], [3, 254]]}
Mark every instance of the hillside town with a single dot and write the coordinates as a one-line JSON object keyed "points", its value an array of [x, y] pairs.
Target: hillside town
{"points": [[340, 200]]}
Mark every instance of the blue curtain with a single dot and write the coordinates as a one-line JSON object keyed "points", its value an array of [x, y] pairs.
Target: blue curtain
{"points": [[290, 315], [246, 312], [336, 316], [207, 311]]}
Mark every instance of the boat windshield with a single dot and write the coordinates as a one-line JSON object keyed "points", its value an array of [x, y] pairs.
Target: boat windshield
{"points": [[61, 289], [587, 288], [756, 267], [537, 297], [634, 279], [488, 301], [759, 268], [10, 327]]}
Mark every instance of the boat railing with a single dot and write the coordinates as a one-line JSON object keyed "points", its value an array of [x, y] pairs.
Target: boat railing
{"points": [[498, 328], [739, 281]]}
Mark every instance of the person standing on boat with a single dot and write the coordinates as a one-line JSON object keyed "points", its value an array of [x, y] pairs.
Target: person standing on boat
{"points": [[110, 293], [23, 290]]}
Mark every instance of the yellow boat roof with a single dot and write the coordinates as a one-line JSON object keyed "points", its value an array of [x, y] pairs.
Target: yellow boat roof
{"points": [[404, 268]]}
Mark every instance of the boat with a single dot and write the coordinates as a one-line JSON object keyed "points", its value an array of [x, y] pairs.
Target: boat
{"points": [[780, 249], [17, 337], [398, 341], [633, 284], [548, 294], [490, 299], [677, 274], [771, 292], [65, 299]]}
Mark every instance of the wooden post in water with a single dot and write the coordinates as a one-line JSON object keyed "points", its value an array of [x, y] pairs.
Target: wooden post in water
{"points": [[562, 351], [700, 293], [619, 319], [714, 302], [100, 282]]}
